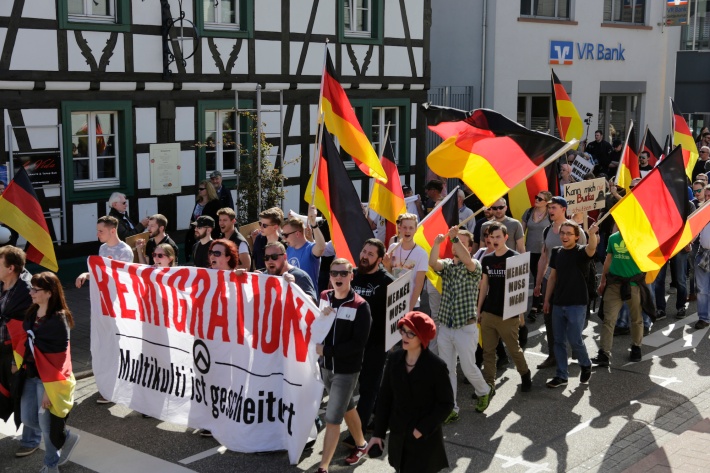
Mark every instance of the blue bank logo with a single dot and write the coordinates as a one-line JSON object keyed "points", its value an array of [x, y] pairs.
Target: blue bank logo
{"points": [[561, 52]]}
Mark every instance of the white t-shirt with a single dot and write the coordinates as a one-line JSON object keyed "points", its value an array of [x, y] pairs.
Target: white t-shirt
{"points": [[403, 260], [120, 252], [380, 230]]}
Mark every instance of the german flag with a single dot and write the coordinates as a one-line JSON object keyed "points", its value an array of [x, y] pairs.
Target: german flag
{"points": [[522, 196], [337, 199], [487, 151], [341, 120], [652, 217], [21, 211], [695, 224], [50, 349], [440, 219], [567, 118], [388, 199], [683, 137], [651, 146], [629, 164]]}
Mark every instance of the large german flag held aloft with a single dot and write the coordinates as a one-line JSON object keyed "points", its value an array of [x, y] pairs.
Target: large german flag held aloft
{"points": [[341, 120], [567, 118], [683, 137], [653, 216], [486, 150], [629, 164]]}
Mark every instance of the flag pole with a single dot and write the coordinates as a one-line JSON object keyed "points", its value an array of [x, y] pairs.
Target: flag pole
{"points": [[549, 160], [643, 141], [319, 131], [623, 153]]}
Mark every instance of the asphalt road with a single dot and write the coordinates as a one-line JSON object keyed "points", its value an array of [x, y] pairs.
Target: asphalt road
{"points": [[594, 427]]}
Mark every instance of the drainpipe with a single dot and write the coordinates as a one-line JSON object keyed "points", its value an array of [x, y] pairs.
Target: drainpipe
{"points": [[484, 24]]}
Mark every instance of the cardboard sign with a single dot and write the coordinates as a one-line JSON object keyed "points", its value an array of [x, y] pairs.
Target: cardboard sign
{"points": [[398, 295], [581, 167], [517, 274], [585, 195], [233, 354]]}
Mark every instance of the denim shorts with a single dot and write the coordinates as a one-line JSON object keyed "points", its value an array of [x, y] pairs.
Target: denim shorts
{"points": [[341, 388]]}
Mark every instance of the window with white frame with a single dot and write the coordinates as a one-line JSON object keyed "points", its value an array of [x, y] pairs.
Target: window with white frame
{"points": [[221, 14], [357, 16], [382, 117], [625, 11], [95, 148], [92, 11], [545, 8], [221, 150]]}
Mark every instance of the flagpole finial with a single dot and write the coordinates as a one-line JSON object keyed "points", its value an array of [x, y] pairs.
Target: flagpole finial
{"points": [[327, 40]]}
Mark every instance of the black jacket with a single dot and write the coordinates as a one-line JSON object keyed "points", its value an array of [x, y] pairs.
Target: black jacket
{"points": [[124, 225], [344, 346], [16, 306], [210, 210], [420, 399], [225, 197]]}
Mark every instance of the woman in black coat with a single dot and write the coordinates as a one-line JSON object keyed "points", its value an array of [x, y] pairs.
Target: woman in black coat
{"points": [[206, 203], [414, 400]]}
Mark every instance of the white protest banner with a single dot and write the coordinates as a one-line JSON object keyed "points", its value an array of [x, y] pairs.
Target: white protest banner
{"points": [[209, 349], [517, 272], [585, 195], [580, 168], [398, 294]]}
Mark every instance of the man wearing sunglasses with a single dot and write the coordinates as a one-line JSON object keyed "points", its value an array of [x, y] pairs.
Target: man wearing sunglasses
{"points": [[277, 265], [302, 253], [516, 237], [644, 166], [156, 226], [342, 351], [270, 221]]}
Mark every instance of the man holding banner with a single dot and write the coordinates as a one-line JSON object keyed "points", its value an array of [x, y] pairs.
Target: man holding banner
{"points": [[458, 332], [568, 265], [342, 351]]}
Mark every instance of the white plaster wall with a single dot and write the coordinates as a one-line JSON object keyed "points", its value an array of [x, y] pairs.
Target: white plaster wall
{"points": [[325, 22], [96, 41], [225, 47], [47, 136], [146, 207], [293, 169], [149, 53], [292, 199], [143, 164], [394, 28], [147, 12], [267, 15], [187, 168], [268, 57], [415, 18], [146, 125], [361, 50], [38, 9], [27, 56], [184, 123], [185, 204], [84, 224], [397, 62], [5, 8], [313, 65]]}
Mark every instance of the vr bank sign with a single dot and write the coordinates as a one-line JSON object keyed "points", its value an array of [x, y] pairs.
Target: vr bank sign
{"points": [[562, 52]]}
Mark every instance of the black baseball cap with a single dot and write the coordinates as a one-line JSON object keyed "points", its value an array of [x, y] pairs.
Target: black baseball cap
{"points": [[204, 221], [559, 201]]}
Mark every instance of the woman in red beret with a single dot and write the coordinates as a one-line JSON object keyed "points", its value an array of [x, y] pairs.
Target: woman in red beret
{"points": [[414, 400]]}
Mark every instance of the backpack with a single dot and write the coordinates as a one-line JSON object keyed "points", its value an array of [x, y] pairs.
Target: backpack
{"points": [[589, 272]]}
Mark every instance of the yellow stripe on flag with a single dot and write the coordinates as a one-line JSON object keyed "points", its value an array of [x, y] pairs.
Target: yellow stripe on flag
{"points": [[30, 231], [519, 200], [624, 176], [61, 395], [565, 108], [688, 145], [638, 234], [431, 275]]}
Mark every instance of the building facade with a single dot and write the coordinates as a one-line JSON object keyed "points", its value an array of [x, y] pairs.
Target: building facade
{"points": [[616, 59], [91, 85]]}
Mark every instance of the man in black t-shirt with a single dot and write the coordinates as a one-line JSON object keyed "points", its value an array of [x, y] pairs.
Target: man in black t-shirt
{"points": [[490, 310], [370, 282], [156, 226], [203, 234], [567, 291]]}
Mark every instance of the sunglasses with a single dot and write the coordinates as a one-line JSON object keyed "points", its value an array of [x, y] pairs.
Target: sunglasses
{"points": [[201, 188], [407, 333], [697, 191], [286, 235], [158, 255], [216, 253], [342, 274], [123, 203], [274, 257], [539, 199], [498, 207], [266, 225], [34, 290]]}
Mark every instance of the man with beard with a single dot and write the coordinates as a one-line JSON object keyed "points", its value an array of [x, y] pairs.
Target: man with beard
{"points": [[227, 218], [156, 226], [277, 265], [371, 282], [203, 235]]}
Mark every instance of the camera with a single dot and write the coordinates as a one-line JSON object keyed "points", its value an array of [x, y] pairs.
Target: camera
{"points": [[588, 120], [590, 114]]}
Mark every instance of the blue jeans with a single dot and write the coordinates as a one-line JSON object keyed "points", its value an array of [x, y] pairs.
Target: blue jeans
{"points": [[30, 405], [568, 323], [623, 320], [680, 268], [702, 285]]}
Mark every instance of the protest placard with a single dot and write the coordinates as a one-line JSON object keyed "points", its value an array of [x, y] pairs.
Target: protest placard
{"points": [[517, 272], [585, 195], [233, 354], [398, 294], [581, 167]]}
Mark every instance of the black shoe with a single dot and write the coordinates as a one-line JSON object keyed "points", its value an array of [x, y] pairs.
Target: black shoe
{"points": [[550, 362], [585, 374], [660, 314], [526, 385], [206, 433], [601, 360], [502, 363], [701, 324], [681, 313], [532, 315], [646, 331], [621, 331], [556, 382], [635, 353]]}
